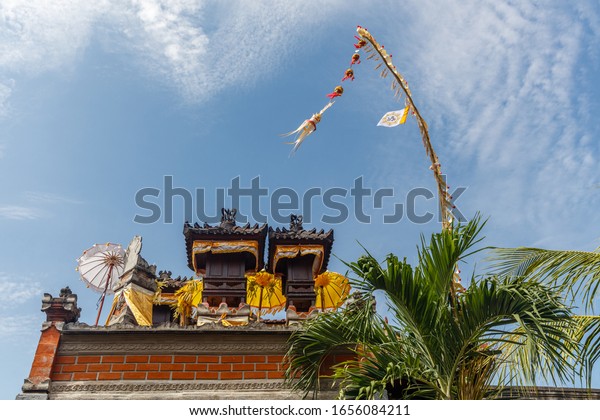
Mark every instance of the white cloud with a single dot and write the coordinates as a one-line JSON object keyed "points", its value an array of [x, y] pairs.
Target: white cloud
{"points": [[196, 47], [20, 213], [5, 92], [15, 290], [12, 326], [37, 37], [48, 198], [32, 212]]}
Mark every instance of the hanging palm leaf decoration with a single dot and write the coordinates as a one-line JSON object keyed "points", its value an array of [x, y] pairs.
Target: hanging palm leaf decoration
{"points": [[188, 296]]}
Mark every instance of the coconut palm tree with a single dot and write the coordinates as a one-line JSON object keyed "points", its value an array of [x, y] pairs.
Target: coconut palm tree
{"points": [[438, 343], [576, 274]]}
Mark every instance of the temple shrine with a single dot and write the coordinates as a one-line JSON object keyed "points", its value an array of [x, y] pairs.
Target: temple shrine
{"points": [[202, 337]]}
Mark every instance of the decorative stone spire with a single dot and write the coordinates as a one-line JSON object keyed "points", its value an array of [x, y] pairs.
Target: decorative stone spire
{"points": [[62, 308], [59, 310]]}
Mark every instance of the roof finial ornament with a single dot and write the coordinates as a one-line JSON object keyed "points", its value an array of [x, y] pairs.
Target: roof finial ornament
{"points": [[65, 292], [228, 218], [296, 222]]}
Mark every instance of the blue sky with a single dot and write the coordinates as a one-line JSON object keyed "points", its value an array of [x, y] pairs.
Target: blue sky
{"points": [[101, 99]]}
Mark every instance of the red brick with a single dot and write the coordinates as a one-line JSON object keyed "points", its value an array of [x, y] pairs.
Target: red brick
{"points": [[161, 359], [274, 359], [61, 377], [134, 375], [220, 367], [276, 375], [108, 376], [65, 360], [88, 359], [39, 372], [98, 368], [185, 359], [254, 359], [243, 366], [267, 366], [45, 360], [195, 366], [51, 335], [74, 368], [183, 375], [46, 350], [120, 367], [207, 375], [255, 375], [146, 367], [113, 359], [137, 359], [208, 359], [232, 359], [158, 375], [171, 366], [231, 375], [79, 376]]}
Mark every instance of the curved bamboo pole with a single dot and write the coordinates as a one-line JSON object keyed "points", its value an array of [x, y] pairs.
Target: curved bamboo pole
{"points": [[378, 53]]}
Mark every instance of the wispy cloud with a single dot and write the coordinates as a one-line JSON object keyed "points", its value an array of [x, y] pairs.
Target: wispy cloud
{"points": [[12, 326], [20, 213], [48, 198], [501, 85], [5, 92], [17, 289], [197, 48], [33, 211]]}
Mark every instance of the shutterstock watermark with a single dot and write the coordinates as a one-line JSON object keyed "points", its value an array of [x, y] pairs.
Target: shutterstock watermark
{"points": [[259, 204]]}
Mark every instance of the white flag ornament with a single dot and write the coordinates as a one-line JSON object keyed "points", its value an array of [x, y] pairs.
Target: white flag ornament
{"points": [[394, 118]]}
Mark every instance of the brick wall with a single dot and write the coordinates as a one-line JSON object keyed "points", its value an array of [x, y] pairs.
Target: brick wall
{"points": [[167, 367]]}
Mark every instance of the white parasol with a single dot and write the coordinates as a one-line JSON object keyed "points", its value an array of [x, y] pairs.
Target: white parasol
{"points": [[100, 267]]}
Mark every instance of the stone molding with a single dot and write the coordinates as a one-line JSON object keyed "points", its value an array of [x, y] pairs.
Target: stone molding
{"points": [[78, 348], [148, 386]]}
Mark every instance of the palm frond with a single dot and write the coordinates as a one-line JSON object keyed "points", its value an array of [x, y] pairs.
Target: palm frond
{"points": [[577, 272], [326, 334]]}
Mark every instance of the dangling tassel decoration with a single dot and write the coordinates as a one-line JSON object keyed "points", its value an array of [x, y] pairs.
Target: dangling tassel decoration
{"points": [[355, 59], [336, 92], [349, 74], [306, 128], [361, 43]]}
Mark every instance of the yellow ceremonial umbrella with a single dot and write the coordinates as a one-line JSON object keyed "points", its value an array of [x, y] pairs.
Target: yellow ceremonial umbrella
{"points": [[264, 291], [331, 289]]}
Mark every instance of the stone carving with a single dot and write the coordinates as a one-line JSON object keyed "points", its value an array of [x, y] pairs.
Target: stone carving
{"points": [[132, 254], [166, 386], [166, 348], [228, 217], [296, 222], [62, 308], [65, 292]]}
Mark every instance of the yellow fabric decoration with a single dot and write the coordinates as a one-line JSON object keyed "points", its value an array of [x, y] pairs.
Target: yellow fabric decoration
{"points": [[234, 323], [291, 251], [224, 247], [140, 303]]}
